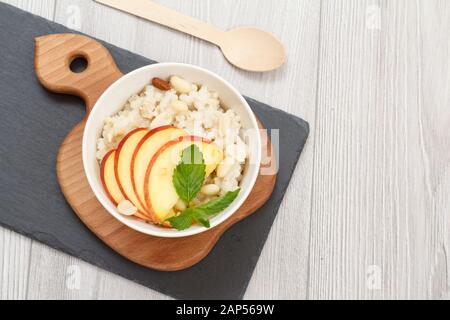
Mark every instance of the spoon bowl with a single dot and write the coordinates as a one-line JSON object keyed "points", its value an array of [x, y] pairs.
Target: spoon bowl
{"points": [[252, 49]]}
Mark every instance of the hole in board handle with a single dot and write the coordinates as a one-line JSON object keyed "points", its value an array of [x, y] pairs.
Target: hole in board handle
{"points": [[78, 65]]}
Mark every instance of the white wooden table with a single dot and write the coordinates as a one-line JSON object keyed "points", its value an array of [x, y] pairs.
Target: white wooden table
{"points": [[368, 212]]}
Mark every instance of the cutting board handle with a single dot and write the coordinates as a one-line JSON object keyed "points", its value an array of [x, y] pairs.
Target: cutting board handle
{"points": [[54, 55]]}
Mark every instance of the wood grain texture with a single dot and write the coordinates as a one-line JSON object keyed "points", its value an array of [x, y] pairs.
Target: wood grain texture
{"points": [[14, 270], [380, 145], [296, 23], [382, 152]]}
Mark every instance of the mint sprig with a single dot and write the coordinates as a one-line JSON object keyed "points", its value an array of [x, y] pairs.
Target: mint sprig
{"points": [[217, 205], [188, 178], [202, 213], [189, 175]]}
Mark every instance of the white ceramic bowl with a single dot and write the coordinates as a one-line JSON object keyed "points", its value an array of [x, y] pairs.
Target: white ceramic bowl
{"points": [[113, 100]]}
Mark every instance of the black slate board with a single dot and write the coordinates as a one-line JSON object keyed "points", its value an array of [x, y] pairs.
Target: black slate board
{"points": [[34, 123]]}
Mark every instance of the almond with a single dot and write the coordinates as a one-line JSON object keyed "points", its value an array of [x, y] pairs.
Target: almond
{"points": [[126, 208], [161, 84], [181, 85]]}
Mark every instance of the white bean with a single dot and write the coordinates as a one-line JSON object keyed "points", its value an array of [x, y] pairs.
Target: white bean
{"points": [[180, 205], [210, 190], [126, 208], [180, 85], [179, 106]]}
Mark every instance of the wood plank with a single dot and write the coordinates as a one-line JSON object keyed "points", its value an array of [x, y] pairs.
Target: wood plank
{"points": [[438, 280], [51, 266], [381, 152], [380, 148], [14, 267], [55, 275], [15, 249]]}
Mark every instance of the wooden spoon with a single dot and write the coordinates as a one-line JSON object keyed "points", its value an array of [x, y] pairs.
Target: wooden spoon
{"points": [[247, 48]]}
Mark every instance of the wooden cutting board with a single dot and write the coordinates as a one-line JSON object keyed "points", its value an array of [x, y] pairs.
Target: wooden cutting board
{"points": [[54, 55]]}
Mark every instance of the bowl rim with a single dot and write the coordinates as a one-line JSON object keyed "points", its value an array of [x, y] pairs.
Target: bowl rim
{"points": [[163, 233]]}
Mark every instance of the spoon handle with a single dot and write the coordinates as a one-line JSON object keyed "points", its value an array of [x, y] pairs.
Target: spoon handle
{"points": [[167, 17]]}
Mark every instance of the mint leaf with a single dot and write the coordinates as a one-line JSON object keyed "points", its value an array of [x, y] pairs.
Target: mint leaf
{"points": [[181, 222], [189, 175], [187, 218], [215, 206], [205, 222], [202, 213]]}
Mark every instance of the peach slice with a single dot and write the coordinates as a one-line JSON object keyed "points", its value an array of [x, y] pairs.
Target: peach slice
{"points": [[160, 194], [146, 149], [122, 165], [109, 181]]}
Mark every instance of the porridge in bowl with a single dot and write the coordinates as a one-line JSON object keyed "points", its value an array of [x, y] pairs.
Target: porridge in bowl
{"points": [[174, 155]]}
